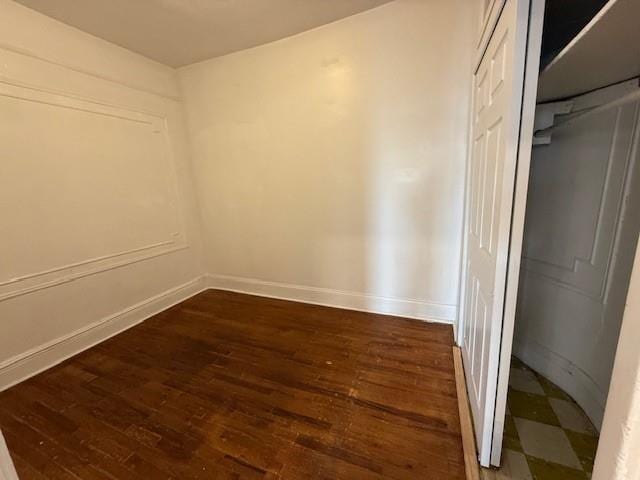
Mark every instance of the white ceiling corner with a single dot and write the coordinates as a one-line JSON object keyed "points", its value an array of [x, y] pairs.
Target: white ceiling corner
{"points": [[181, 32]]}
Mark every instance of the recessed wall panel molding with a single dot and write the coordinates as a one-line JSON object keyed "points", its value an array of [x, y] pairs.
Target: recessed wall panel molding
{"points": [[99, 184], [575, 198]]}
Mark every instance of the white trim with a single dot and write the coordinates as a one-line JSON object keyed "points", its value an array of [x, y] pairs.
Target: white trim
{"points": [[36, 360], [7, 470], [70, 277], [629, 97], [617, 455], [513, 21], [176, 238], [28, 53], [527, 118], [417, 309], [565, 374], [459, 321]]}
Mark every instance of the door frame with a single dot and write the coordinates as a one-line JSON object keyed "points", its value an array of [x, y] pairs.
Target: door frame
{"points": [[532, 66], [616, 457]]}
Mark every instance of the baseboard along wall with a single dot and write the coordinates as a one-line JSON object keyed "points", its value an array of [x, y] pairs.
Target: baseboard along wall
{"points": [[567, 376], [426, 311], [34, 361]]}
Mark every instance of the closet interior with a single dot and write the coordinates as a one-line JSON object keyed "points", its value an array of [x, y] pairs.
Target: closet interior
{"points": [[581, 229]]}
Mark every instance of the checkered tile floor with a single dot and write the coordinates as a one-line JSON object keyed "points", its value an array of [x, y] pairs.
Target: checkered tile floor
{"points": [[547, 436]]}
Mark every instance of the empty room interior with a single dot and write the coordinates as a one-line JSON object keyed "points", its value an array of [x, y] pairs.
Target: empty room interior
{"points": [[320, 239]]}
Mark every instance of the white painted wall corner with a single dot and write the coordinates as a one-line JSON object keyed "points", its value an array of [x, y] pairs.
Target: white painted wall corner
{"points": [[409, 308]]}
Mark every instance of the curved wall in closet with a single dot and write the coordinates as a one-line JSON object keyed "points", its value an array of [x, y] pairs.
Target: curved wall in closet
{"points": [[580, 238]]}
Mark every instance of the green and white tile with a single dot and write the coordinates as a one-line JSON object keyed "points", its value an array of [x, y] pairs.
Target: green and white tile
{"points": [[547, 436], [542, 470], [546, 442], [524, 380], [514, 466], [585, 446], [532, 407], [571, 416]]}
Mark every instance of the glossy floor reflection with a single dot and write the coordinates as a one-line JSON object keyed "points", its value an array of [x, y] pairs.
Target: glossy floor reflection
{"points": [[547, 435]]}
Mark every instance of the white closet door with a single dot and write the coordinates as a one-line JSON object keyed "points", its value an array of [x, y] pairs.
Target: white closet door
{"points": [[495, 126]]}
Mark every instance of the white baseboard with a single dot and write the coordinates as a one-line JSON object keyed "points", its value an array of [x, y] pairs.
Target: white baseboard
{"points": [[430, 312], [45, 356], [566, 375], [34, 361]]}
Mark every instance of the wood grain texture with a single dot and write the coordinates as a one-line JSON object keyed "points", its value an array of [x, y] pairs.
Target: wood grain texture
{"points": [[472, 468], [230, 386]]}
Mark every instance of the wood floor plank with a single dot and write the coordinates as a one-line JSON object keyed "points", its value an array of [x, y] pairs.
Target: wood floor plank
{"points": [[233, 386]]}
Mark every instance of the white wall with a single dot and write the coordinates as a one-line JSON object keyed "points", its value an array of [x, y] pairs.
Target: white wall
{"points": [[580, 236], [617, 457], [99, 225], [330, 165]]}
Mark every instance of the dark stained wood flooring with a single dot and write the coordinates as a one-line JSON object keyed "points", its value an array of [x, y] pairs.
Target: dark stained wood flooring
{"points": [[232, 386]]}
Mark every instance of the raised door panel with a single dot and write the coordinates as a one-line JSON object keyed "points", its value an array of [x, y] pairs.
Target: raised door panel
{"points": [[490, 11], [495, 125]]}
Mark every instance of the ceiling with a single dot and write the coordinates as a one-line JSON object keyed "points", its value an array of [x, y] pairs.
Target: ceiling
{"points": [[181, 32]]}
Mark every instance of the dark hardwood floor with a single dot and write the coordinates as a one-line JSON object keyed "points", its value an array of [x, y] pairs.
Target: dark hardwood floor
{"points": [[230, 386]]}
